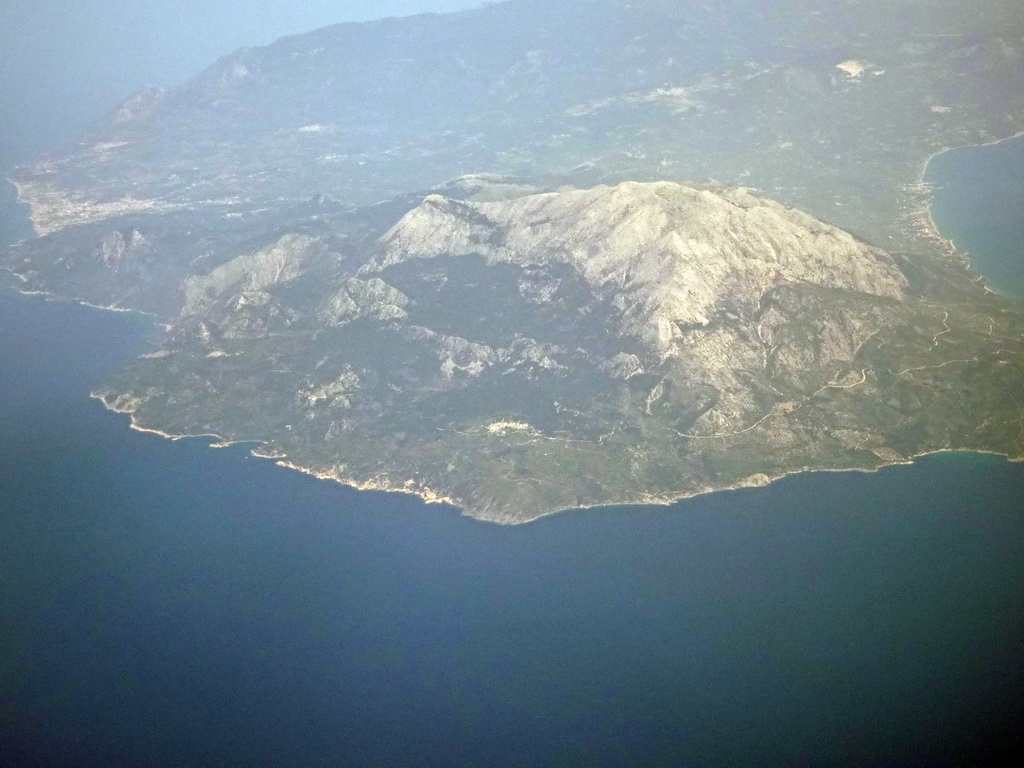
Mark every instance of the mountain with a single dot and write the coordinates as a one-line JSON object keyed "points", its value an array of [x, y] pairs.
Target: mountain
{"points": [[692, 250]]}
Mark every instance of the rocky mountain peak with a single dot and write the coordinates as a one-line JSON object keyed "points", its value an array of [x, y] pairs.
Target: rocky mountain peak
{"points": [[672, 255], [139, 105], [555, 330]]}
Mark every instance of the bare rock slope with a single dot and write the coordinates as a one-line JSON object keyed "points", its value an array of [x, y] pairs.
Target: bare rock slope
{"points": [[574, 323], [669, 255], [636, 343]]}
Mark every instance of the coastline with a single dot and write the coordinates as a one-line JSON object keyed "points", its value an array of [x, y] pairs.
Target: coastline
{"points": [[428, 495], [21, 200], [54, 298], [764, 481], [931, 226], [431, 496], [221, 442]]}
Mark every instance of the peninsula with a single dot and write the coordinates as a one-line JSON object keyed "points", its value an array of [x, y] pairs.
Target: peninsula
{"points": [[691, 255]]}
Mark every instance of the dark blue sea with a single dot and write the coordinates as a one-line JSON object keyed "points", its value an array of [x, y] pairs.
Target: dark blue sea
{"points": [[165, 604]]}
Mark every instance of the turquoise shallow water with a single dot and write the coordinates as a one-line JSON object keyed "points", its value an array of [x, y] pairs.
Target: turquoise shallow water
{"points": [[163, 603]]}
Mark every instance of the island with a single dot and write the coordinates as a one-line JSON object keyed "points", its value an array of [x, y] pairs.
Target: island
{"points": [[536, 257]]}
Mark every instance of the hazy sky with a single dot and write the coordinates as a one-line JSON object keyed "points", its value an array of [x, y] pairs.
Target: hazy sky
{"points": [[65, 63]]}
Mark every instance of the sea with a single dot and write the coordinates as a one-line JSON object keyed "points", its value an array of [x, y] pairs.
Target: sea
{"points": [[168, 604]]}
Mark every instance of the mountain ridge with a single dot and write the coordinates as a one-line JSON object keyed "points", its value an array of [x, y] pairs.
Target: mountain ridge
{"points": [[540, 256], [647, 243], [515, 387]]}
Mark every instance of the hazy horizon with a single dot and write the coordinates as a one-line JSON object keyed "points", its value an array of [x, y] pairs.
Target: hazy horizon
{"points": [[65, 65]]}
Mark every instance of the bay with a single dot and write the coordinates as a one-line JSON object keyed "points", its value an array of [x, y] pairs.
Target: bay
{"points": [[979, 205], [164, 603]]}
